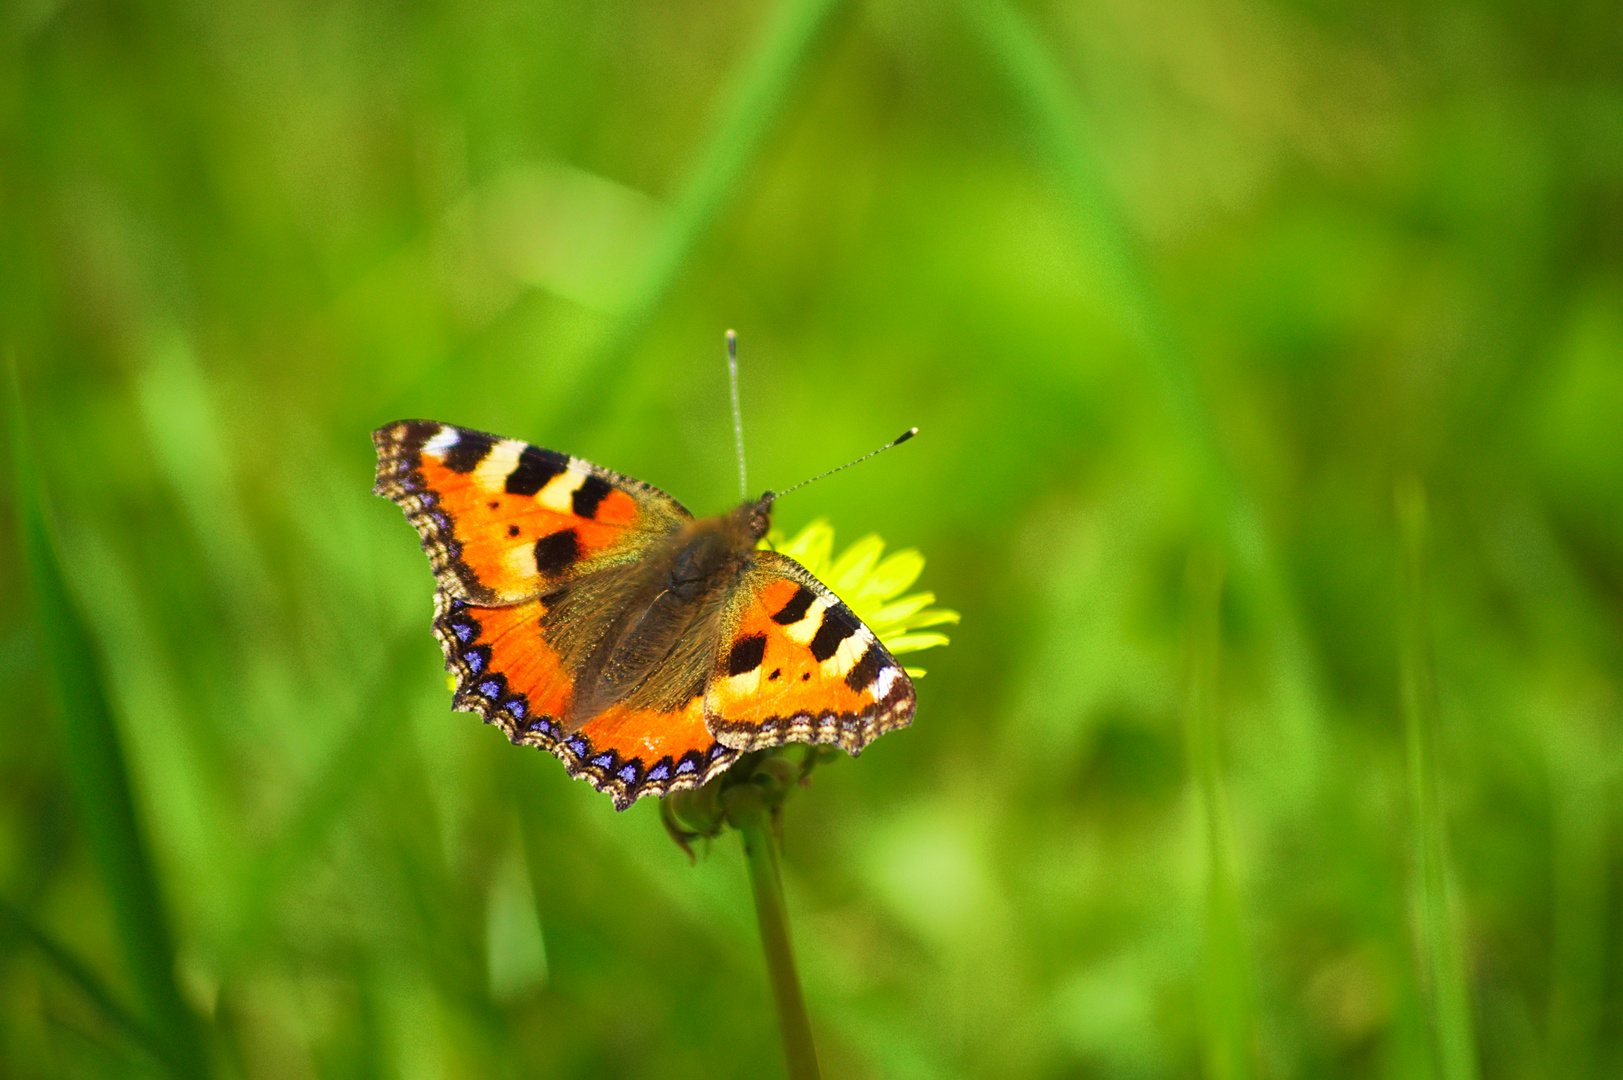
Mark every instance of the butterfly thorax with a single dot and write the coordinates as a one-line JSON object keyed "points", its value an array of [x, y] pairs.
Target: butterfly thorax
{"points": [[653, 653]]}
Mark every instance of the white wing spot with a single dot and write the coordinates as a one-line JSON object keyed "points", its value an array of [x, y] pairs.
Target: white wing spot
{"points": [[520, 561], [884, 683], [442, 441], [745, 684], [558, 496], [502, 459], [803, 631], [846, 656]]}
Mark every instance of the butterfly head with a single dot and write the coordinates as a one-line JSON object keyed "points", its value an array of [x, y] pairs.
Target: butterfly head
{"points": [[756, 516]]}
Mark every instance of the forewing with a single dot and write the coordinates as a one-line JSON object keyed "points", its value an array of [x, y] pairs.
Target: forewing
{"points": [[503, 521], [796, 665], [508, 673]]}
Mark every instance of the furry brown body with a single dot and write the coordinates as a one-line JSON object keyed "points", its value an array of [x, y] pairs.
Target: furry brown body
{"points": [[642, 634]]}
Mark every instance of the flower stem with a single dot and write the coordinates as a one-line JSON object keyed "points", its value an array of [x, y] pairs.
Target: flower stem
{"points": [[760, 848]]}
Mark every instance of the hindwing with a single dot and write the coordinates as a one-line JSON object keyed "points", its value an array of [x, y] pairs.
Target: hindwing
{"points": [[508, 672]]}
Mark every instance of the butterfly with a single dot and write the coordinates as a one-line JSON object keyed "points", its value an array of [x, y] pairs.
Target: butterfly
{"points": [[591, 615]]}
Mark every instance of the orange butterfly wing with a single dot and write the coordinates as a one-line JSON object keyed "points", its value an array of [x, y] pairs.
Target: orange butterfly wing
{"points": [[508, 674], [503, 521], [507, 526], [796, 665]]}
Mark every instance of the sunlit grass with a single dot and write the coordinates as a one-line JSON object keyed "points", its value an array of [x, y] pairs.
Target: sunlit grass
{"points": [[90, 745]]}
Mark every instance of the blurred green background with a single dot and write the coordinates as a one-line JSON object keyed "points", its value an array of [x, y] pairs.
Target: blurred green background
{"points": [[1269, 363]]}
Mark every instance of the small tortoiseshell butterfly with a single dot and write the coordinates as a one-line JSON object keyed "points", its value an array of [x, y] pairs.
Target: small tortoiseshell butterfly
{"points": [[589, 614]]}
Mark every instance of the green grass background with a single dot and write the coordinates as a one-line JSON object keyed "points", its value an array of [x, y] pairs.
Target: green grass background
{"points": [[1269, 362]]}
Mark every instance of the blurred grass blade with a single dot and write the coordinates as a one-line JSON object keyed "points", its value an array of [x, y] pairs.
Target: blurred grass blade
{"points": [[93, 759], [191, 449], [1059, 130], [775, 70], [1582, 797], [352, 765], [88, 982], [1442, 977], [1228, 1022]]}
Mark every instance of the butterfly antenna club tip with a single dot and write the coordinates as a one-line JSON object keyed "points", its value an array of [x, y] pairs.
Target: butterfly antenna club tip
{"points": [[738, 416], [897, 441]]}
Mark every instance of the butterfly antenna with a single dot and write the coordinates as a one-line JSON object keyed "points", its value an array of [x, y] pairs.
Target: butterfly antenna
{"points": [[738, 415], [897, 441]]}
